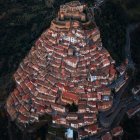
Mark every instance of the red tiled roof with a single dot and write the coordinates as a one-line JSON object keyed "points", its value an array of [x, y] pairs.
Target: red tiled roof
{"points": [[92, 128], [107, 136], [117, 131], [53, 75], [71, 96]]}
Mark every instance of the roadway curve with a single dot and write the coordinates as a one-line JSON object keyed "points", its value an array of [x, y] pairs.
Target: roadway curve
{"points": [[108, 117], [129, 29]]}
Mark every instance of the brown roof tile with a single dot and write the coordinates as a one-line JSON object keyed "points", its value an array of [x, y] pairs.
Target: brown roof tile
{"points": [[53, 75]]}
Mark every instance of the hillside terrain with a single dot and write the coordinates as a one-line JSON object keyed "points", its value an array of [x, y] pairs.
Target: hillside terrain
{"points": [[22, 22]]}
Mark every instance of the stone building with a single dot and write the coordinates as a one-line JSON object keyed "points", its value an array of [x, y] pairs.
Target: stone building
{"points": [[66, 65]]}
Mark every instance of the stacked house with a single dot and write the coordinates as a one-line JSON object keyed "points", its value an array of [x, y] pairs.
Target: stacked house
{"points": [[66, 65]]}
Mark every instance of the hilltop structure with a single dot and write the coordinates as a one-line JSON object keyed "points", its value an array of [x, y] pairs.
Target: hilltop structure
{"points": [[66, 65]]}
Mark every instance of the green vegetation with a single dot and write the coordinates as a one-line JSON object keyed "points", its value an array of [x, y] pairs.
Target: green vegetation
{"points": [[20, 26], [60, 131], [129, 72], [112, 22], [136, 46], [72, 108], [46, 117], [135, 52], [131, 8]]}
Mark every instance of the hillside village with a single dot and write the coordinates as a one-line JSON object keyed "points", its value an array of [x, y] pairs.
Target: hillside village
{"points": [[67, 64]]}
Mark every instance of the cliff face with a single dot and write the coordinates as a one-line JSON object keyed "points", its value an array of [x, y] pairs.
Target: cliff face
{"points": [[66, 65]]}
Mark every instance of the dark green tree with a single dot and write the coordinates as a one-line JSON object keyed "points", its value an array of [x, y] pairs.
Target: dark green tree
{"points": [[72, 107]]}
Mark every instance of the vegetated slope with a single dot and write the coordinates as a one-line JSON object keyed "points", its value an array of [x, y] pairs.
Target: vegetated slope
{"points": [[112, 22], [135, 48], [131, 7]]}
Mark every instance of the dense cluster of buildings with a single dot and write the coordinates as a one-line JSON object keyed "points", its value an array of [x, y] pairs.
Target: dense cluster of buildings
{"points": [[67, 65]]}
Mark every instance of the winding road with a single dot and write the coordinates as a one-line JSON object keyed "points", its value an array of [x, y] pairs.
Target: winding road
{"points": [[129, 29]]}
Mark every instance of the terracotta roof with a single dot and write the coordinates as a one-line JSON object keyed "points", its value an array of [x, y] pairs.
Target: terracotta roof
{"points": [[71, 96], [57, 72], [82, 134], [92, 128], [72, 116], [104, 105], [107, 136], [117, 131]]}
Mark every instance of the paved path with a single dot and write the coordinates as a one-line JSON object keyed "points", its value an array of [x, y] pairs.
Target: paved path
{"points": [[129, 30], [120, 107]]}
